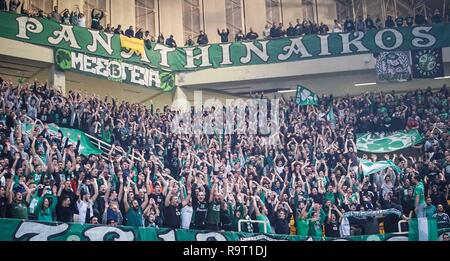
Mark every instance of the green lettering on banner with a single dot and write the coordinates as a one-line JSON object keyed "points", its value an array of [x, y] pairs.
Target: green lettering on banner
{"points": [[18, 230], [99, 44]]}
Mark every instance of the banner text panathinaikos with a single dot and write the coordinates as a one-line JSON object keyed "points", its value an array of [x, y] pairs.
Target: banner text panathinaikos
{"points": [[49, 33]]}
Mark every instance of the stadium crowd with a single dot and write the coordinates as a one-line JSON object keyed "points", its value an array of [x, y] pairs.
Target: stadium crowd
{"points": [[271, 31], [156, 177]]}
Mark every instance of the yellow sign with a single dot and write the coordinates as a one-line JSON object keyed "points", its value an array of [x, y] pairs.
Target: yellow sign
{"points": [[134, 44]]}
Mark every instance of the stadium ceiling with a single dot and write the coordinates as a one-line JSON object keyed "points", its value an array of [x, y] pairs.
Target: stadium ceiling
{"points": [[15, 68], [383, 8]]}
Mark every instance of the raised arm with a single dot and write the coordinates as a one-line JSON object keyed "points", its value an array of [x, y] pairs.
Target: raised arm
{"points": [[94, 197], [255, 206], [125, 198], [185, 201]]}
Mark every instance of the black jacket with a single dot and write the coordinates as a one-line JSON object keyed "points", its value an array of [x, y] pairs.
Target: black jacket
{"points": [[223, 35], [202, 39]]}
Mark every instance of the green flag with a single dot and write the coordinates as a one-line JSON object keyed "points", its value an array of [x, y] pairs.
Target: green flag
{"points": [[331, 118], [423, 229], [86, 147], [397, 141], [304, 96], [369, 167]]}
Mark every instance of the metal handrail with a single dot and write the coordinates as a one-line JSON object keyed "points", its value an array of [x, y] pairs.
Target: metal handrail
{"points": [[400, 226], [265, 222]]}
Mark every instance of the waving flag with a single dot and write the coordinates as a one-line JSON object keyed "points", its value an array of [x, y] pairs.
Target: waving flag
{"points": [[304, 96]]}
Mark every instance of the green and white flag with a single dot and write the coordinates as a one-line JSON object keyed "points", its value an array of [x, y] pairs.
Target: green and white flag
{"points": [[304, 96], [369, 167], [400, 140], [423, 229], [86, 147], [331, 118]]}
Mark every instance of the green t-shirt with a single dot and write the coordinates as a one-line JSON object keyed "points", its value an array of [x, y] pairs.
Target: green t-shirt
{"points": [[262, 217], [419, 190], [213, 216], [134, 217], [315, 228], [329, 196], [36, 176], [106, 135], [45, 214], [302, 227], [322, 217], [430, 211]]}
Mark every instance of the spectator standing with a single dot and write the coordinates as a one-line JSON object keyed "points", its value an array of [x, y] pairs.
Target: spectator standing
{"points": [[283, 214], [55, 15], [280, 30], [239, 37], [266, 31], [251, 35], [290, 31], [223, 35], [337, 27], [129, 32], [172, 211], [81, 20], [409, 20], [360, 24], [261, 215], [118, 30], [369, 23], [139, 34], [299, 28], [134, 214], [160, 39], [109, 29], [437, 17], [18, 206], [419, 196], [389, 22], [420, 19], [430, 209], [45, 208], [349, 25], [399, 20], [378, 23], [171, 42], [274, 33], [96, 19], [323, 29], [202, 38], [74, 16], [43, 16], [189, 41], [442, 218], [65, 18]]}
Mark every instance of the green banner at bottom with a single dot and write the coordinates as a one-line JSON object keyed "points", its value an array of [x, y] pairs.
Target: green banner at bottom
{"points": [[17, 230]]}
